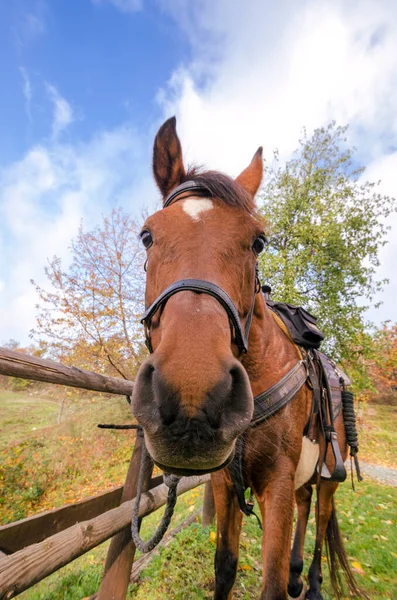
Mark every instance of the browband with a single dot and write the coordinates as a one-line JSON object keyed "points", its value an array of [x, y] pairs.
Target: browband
{"points": [[188, 186]]}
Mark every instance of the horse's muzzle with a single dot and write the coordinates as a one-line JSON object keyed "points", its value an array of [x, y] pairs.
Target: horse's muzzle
{"points": [[195, 433]]}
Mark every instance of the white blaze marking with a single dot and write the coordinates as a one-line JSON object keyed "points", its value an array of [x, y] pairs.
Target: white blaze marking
{"points": [[307, 462], [193, 206]]}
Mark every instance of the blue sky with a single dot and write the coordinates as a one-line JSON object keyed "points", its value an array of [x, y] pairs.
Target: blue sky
{"points": [[86, 83], [107, 63]]}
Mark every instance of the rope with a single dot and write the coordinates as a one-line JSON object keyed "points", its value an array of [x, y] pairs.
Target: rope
{"points": [[112, 426], [349, 419], [171, 481]]}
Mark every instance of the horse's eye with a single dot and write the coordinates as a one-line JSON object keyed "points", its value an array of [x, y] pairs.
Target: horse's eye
{"points": [[259, 244], [146, 238]]}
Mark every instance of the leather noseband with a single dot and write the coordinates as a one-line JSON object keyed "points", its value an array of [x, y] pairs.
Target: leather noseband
{"points": [[239, 336]]}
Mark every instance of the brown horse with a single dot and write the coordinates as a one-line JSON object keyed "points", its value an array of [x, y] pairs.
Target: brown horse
{"points": [[194, 393]]}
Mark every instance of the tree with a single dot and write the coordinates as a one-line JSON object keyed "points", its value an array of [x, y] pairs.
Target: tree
{"points": [[383, 363], [326, 227], [90, 315]]}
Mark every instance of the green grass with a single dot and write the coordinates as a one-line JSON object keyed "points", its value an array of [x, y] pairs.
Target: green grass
{"points": [[368, 521], [184, 569], [22, 413], [82, 577], [44, 465], [377, 429], [52, 465]]}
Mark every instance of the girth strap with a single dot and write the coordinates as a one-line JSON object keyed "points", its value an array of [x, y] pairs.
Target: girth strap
{"points": [[278, 395], [207, 287]]}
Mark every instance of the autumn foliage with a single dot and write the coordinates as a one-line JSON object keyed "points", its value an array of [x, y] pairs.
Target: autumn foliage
{"points": [[89, 314], [382, 366]]}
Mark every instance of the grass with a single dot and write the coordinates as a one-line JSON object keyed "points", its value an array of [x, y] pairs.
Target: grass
{"points": [[51, 465], [377, 428], [368, 519], [22, 413], [44, 465]]}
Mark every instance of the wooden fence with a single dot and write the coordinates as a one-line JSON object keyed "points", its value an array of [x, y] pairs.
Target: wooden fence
{"points": [[33, 548]]}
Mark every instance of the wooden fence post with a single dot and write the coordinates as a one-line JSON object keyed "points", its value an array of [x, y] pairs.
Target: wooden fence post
{"points": [[208, 514], [121, 551]]}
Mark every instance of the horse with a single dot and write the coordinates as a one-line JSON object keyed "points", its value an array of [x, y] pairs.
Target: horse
{"points": [[214, 347]]}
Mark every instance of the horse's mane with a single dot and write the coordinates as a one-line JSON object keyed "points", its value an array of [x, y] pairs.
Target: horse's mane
{"points": [[221, 186]]}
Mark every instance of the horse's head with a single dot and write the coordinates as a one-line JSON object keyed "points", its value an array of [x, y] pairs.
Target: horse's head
{"points": [[192, 395]]}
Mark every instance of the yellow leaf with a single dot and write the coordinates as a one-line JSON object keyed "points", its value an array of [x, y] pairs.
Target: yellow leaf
{"points": [[212, 536], [394, 554], [357, 567], [246, 568]]}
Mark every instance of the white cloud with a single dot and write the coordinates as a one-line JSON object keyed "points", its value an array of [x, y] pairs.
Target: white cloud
{"points": [[125, 6], [43, 198], [263, 70], [27, 91], [34, 24], [30, 25], [63, 113], [385, 170]]}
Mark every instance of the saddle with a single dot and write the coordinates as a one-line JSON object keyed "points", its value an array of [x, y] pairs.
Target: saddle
{"points": [[330, 396]]}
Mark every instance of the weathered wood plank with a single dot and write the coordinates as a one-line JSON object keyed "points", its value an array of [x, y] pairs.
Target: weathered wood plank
{"points": [[145, 559], [26, 366], [121, 551], [18, 535], [26, 567]]}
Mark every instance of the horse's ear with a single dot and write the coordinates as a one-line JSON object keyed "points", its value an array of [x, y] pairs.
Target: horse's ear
{"points": [[168, 167], [251, 177]]}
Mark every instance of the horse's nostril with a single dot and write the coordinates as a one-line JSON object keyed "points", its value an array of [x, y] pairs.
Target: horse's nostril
{"points": [[168, 403], [148, 371]]}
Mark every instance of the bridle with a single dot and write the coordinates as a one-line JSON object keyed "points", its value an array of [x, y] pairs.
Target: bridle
{"points": [[201, 286]]}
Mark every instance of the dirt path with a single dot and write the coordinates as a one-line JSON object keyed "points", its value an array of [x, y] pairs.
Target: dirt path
{"points": [[384, 474]]}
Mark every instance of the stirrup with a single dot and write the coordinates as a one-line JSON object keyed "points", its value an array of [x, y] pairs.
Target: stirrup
{"points": [[339, 473]]}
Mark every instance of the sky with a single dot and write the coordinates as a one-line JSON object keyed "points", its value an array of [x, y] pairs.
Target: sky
{"points": [[85, 84]]}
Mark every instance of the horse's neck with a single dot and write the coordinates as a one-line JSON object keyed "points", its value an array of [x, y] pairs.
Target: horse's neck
{"points": [[271, 354]]}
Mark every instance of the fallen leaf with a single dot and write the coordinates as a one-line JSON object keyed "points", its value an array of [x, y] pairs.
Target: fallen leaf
{"points": [[357, 567]]}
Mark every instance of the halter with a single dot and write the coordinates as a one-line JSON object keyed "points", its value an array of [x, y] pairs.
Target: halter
{"points": [[201, 286]]}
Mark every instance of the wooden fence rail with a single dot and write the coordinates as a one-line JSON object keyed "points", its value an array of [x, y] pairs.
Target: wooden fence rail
{"points": [[26, 567], [26, 366], [32, 549], [19, 534]]}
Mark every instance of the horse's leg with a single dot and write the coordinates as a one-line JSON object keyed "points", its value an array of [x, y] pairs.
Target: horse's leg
{"points": [[323, 513], [296, 586], [277, 508], [228, 518]]}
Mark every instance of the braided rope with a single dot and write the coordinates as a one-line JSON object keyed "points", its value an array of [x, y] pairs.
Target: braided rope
{"points": [[171, 481], [349, 418]]}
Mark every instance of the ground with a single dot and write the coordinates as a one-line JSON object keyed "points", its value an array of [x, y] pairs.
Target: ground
{"points": [[45, 464]]}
